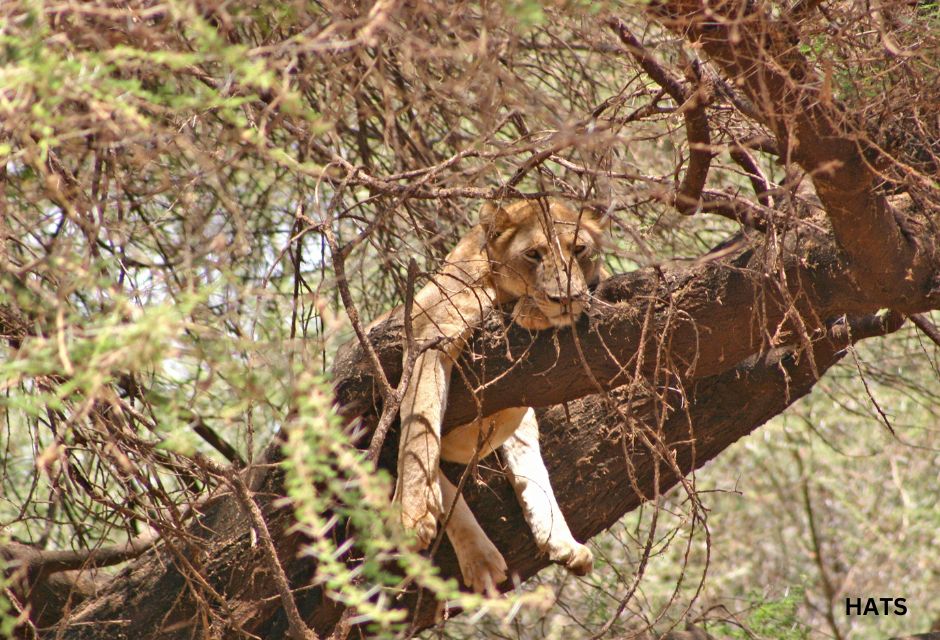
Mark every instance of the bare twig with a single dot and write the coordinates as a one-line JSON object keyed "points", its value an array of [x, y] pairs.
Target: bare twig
{"points": [[338, 256], [928, 328], [216, 441], [298, 628], [393, 401], [43, 562], [759, 181]]}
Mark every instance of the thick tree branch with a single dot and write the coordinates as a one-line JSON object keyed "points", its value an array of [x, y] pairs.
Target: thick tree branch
{"points": [[721, 410], [694, 309], [763, 56], [928, 328]]}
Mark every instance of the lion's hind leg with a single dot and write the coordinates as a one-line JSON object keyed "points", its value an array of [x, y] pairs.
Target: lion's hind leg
{"points": [[481, 563], [529, 477]]}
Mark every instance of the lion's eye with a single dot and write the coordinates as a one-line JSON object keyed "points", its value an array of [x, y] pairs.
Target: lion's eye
{"points": [[533, 255], [581, 250]]}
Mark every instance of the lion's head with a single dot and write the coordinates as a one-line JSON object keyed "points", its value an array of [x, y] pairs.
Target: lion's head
{"points": [[546, 256]]}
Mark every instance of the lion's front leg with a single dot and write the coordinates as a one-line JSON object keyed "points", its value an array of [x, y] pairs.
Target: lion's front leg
{"points": [[448, 307], [529, 478], [417, 488]]}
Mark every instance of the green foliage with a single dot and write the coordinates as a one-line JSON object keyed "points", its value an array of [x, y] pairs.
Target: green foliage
{"points": [[330, 482], [131, 91], [770, 619], [9, 618], [94, 355], [529, 13]]}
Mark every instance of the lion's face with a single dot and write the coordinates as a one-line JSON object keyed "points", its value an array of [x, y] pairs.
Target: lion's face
{"points": [[544, 256]]}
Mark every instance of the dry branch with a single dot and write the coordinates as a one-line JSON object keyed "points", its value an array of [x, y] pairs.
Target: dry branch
{"points": [[762, 53], [692, 106]]}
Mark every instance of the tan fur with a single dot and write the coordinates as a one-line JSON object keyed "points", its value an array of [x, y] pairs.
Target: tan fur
{"points": [[544, 256]]}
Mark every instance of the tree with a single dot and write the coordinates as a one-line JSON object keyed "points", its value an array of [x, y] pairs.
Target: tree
{"points": [[178, 176]]}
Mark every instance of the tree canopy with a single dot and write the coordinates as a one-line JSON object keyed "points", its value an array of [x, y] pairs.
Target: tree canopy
{"points": [[206, 203]]}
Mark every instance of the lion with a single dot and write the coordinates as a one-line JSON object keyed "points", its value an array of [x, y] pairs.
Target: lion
{"points": [[543, 256]]}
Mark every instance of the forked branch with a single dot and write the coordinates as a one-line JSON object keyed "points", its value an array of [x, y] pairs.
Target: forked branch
{"points": [[692, 105]]}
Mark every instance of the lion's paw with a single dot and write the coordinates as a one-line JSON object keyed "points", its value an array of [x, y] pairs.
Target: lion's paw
{"points": [[419, 513], [574, 556], [424, 528], [481, 564]]}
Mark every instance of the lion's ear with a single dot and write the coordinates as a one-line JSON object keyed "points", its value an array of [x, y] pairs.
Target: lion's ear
{"points": [[494, 218], [599, 215]]}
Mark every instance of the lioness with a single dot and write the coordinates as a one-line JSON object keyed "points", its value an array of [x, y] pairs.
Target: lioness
{"points": [[544, 256]]}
